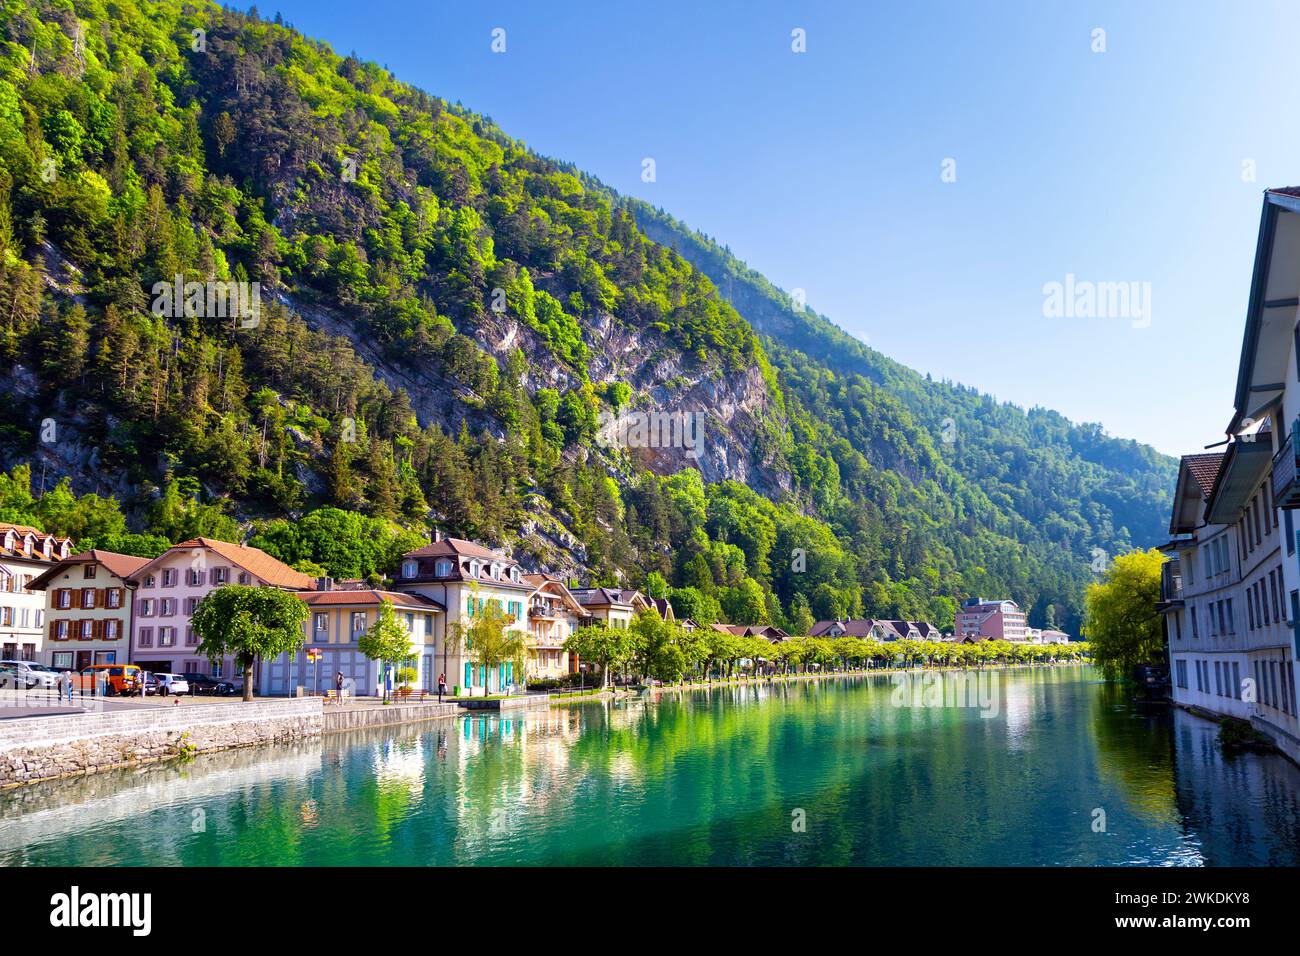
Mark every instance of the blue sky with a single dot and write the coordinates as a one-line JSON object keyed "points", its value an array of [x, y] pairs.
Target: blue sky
{"points": [[823, 169]]}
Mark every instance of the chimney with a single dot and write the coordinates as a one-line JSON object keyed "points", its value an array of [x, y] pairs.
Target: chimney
{"points": [[324, 584], [435, 536]]}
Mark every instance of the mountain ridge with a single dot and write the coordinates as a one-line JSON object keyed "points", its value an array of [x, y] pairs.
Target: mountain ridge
{"points": [[446, 316]]}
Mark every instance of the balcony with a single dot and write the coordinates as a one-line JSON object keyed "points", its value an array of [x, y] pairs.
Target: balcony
{"points": [[1286, 490], [1171, 585], [544, 612]]}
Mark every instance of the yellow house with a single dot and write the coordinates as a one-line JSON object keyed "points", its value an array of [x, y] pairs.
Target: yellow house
{"points": [[612, 607], [464, 578], [553, 615]]}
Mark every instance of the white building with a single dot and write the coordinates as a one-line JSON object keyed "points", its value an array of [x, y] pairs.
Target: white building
{"points": [[1202, 597], [25, 554], [1250, 503], [463, 578]]}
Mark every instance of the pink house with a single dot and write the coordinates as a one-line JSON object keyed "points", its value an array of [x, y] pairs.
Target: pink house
{"points": [[170, 587], [983, 620]]}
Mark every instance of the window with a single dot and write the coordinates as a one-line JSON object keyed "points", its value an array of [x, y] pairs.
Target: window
{"points": [[1191, 614], [64, 599], [194, 577], [146, 637], [166, 637], [111, 630], [88, 599], [442, 569], [60, 630], [191, 639], [1273, 589], [167, 607], [244, 577], [1218, 678], [1235, 691], [220, 575], [113, 597], [358, 622], [322, 621], [1250, 615], [169, 577], [88, 572], [1232, 624], [146, 607], [150, 581], [62, 660]]}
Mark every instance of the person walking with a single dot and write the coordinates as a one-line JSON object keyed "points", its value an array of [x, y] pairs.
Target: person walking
{"points": [[67, 684], [338, 686], [442, 686]]}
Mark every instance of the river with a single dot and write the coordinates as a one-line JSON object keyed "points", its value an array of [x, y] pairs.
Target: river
{"points": [[1045, 766]]}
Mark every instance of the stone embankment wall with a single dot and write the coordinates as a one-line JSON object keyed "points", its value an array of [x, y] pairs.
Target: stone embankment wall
{"points": [[38, 748], [336, 720]]}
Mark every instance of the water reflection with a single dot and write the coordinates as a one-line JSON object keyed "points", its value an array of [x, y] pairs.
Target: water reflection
{"points": [[718, 776]]}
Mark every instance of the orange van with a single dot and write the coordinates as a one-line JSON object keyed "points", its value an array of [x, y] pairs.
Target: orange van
{"points": [[112, 679]]}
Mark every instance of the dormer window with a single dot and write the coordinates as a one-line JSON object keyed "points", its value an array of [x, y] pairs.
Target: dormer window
{"points": [[49, 542], [514, 575], [443, 568], [410, 569], [495, 571], [473, 569]]}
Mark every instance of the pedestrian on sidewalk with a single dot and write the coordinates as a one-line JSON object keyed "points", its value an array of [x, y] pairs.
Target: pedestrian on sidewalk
{"points": [[442, 686], [338, 686], [67, 684]]}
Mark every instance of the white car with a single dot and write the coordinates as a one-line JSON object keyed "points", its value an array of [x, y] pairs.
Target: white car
{"points": [[31, 675], [171, 684]]}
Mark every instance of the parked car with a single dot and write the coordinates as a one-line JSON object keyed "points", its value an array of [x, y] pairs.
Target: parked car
{"points": [[114, 678], [9, 679], [29, 675], [206, 684], [171, 684]]}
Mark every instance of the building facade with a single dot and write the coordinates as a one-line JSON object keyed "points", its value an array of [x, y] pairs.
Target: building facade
{"points": [[464, 578], [89, 600], [1238, 570], [170, 587], [553, 615], [874, 629], [337, 621], [612, 607], [990, 620], [25, 554], [1201, 598]]}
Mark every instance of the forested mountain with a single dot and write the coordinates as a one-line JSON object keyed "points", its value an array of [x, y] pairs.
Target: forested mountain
{"points": [[444, 318]]}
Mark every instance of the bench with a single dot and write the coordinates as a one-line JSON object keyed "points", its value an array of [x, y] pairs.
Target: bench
{"points": [[406, 693]]}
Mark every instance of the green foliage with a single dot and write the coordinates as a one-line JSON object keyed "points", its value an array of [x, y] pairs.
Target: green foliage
{"points": [[1123, 626], [249, 623], [344, 544]]}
